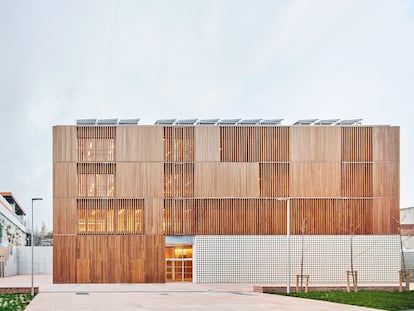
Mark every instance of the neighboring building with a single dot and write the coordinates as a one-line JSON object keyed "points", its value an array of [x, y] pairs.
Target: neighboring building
{"points": [[407, 227], [12, 221], [407, 238], [206, 201]]}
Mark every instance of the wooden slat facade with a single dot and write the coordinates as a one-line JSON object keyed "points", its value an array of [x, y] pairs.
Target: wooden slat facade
{"points": [[119, 190]]}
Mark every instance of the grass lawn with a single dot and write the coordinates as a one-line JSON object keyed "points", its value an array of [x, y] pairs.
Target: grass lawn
{"points": [[373, 299], [14, 302]]}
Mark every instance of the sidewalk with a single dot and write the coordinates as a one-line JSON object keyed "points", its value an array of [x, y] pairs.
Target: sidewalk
{"points": [[169, 296]]}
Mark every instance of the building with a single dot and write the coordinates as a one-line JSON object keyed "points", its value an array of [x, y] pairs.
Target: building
{"points": [[12, 221], [407, 227], [208, 201], [12, 232], [407, 239]]}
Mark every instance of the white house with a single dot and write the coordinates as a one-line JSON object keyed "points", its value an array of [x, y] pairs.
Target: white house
{"points": [[12, 221]]}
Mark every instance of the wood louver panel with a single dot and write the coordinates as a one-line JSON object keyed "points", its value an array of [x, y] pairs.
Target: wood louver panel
{"points": [[357, 180], [178, 180], [331, 216], [179, 217], [112, 216], [96, 179], [356, 144], [179, 144], [96, 143], [224, 216], [274, 179], [254, 144], [268, 216], [274, 144], [233, 144]]}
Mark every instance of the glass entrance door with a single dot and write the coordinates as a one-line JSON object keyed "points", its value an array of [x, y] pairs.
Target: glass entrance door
{"points": [[179, 263]]}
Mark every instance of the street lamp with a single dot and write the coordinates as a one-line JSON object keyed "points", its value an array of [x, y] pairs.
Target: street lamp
{"points": [[32, 241], [287, 240]]}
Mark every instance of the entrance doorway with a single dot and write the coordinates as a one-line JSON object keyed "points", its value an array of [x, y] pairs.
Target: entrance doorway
{"points": [[179, 263]]}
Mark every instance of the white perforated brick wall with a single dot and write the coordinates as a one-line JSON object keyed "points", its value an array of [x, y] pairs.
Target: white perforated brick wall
{"points": [[263, 259]]}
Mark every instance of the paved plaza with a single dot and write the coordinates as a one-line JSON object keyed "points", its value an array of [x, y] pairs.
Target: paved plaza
{"points": [[169, 296]]}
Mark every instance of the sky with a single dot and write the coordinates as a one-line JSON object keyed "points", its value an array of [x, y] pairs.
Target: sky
{"points": [[66, 60]]}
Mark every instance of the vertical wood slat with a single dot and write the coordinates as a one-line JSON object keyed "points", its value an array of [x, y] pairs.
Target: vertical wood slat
{"points": [[317, 144], [110, 216], [64, 180], [64, 256], [386, 143], [64, 144], [96, 144], [207, 144], [96, 179], [64, 216], [274, 179], [178, 144], [357, 180], [178, 180], [254, 144], [357, 144], [268, 216]]}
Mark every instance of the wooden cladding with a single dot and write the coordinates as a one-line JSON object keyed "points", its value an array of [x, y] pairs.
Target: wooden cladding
{"points": [[357, 180], [96, 179], [224, 216], [109, 259], [356, 144], [386, 214], [274, 179], [96, 144], [315, 179], [97, 132], [254, 144], [64, 144], [139, 144], [215, 179], [386, 143], [315, 144], [139, 179], [64, 180], [178, 180], [332, 216], [268, 216], [386, 179], [64, 216], [207, 143], [179, 144], [112, 216]]}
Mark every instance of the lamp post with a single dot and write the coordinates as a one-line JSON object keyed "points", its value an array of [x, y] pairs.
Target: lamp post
{"points": [[32, 241], [287, 240]]}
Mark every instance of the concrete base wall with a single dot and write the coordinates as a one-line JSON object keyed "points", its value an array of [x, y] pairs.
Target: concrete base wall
{"points": [[10, 267], [43, 260], [263, 259]]}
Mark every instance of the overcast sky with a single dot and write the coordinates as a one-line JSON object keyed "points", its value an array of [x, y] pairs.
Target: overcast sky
{"points": [[66, 60]]}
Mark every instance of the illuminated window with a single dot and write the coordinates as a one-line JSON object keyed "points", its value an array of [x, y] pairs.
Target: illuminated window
{"points": [[81, 219], [179, 144], [96, 144], [97, 216], [178, 180], [96, 180]]}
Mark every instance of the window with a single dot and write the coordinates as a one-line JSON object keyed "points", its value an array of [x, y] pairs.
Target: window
{"points": [[123, 216], [96, 144], [96, 180]]}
